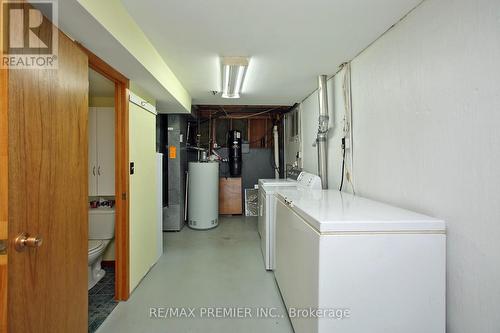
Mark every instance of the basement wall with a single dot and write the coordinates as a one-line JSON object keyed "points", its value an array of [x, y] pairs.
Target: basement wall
{"points": [[426, 118]]}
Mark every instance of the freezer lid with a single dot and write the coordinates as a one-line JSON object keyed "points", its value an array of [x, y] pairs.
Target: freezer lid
{"points": [[277, 182], [333, 211], [270, 190]]}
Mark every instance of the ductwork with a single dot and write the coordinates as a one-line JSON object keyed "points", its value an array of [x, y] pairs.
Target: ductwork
{"points": [[322, 137]]}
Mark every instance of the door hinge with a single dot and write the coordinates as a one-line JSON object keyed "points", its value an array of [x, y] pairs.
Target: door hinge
{"points": [[3, 246], [124, 196]]}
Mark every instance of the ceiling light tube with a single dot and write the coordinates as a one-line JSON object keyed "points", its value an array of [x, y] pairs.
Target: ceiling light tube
{"points": [[233, 75]]}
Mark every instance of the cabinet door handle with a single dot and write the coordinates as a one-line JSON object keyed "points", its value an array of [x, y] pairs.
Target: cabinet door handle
{"points": [[99, 170], [93, 170]]}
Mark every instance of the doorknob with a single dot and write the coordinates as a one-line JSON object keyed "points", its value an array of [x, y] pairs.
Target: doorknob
{"points": [[24, 240]]}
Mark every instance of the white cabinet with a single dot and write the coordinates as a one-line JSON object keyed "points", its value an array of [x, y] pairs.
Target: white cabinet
{"points": [[106, 151], [92, 152], [101, 151]]}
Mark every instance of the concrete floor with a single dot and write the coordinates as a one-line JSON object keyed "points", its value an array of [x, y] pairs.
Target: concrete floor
{"points": [[222, 267]]}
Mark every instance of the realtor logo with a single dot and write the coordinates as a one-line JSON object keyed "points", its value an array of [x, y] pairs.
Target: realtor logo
{"points": [[29, 34]]}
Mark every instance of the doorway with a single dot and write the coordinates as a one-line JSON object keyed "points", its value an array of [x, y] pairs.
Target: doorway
{"points": [[121, 84], [101, 198]]}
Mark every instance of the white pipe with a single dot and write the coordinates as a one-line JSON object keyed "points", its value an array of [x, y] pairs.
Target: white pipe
{"points": [[276, 153], [322, 137]]}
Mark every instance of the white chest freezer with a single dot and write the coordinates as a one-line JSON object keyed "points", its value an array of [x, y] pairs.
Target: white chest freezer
{"points": [[381, 268]]}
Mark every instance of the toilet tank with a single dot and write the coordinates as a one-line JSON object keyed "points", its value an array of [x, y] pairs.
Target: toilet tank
{"points": [[102, 223]]}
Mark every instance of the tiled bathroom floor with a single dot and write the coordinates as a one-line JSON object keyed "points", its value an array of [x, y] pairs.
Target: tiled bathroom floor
{"points": [[102, 299]]}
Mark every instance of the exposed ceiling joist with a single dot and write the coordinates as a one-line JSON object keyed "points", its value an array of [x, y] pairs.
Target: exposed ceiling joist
{"points": [[233, 111]]}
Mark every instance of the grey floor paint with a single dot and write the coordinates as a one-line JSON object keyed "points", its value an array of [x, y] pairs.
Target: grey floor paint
{"points": [[222, 267]]}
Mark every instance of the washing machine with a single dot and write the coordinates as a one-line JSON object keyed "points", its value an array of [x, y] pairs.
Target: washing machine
{"points": [[267, 204]]}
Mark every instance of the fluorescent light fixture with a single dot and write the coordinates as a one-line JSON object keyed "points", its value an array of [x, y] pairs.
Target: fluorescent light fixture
{"points": [[233, 74]]}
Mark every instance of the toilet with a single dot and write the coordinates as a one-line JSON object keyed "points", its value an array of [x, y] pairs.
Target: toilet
{"points": [[101, 232]]}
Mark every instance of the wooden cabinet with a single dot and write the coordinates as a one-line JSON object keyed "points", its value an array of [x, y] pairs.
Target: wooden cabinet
{"points": [[101, 151], [230, 197], [260, 133]]}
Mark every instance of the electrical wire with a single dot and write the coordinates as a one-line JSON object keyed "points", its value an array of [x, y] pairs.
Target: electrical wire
{"points": [[347, 126], [351, 136], [256, 114], [216, 116], [224, 110], [343, 165]]}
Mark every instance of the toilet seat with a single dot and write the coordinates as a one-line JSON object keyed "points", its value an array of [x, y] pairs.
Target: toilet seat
{"points": [[95, 246]]}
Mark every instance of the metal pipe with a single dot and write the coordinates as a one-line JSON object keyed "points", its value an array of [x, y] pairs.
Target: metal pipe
{"points": [[186, 198], [322, 136], [276, 153], [187, 133]]}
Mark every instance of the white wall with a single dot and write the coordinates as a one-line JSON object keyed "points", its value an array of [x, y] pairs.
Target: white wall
{"points": [[426, 117]]}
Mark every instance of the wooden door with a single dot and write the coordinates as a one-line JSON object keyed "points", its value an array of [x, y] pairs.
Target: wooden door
{"points": [[47, 194], [106, 151], [92, 125], [3, 195]]}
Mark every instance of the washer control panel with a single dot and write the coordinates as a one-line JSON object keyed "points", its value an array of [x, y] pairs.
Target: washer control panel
{"points": [[309, 181]]}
